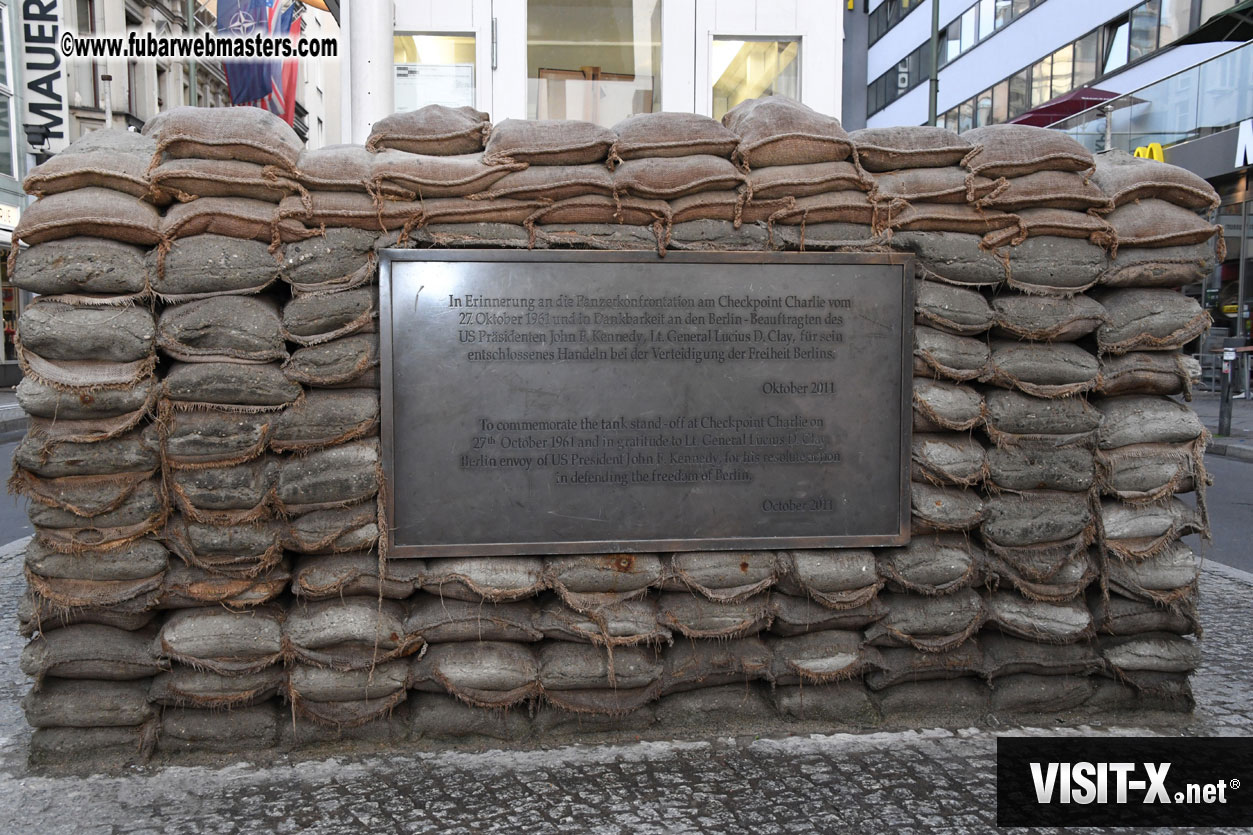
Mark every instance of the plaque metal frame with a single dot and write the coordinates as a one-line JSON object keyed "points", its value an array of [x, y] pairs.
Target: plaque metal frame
{"points": [[387, 257]]}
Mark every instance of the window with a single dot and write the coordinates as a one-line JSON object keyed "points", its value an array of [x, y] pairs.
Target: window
{"points": [[952, 46], [746, 69], [1143, 29], [601, 62], [1085, 59], [1019, 93], [983, 109], [1209, 8], [1115, 45], [1004, 12], [969, 28], [965, 115], [1174, 20], [887, 14], [1063, 69], [1000, 103], [1021, 7], [1042, 81], [987, 17], [433, 69]]}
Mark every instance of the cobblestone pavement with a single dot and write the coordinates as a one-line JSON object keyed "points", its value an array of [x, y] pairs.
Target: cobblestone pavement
{"points": [[928, 780]]}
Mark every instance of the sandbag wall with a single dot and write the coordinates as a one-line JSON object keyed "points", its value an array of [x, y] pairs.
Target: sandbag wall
{"points": [[203, 463]]}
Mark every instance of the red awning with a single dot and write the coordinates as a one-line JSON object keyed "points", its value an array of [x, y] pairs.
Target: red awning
{"points": [[1061, 107]]}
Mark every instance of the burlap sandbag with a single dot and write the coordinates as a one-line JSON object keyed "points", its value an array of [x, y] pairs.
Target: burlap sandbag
{"points": [[725, 576], [1046, 318], [944, 355], [339, 168], [697, 617], [233, 550], [1155, 652], [1142, 319], [587, 679], [69, 415], [852, 207], [727, 206], [948, 217], [1015, 418], [1005, 655], [328, 576], [953, 309], [463, 210], [229, 386], [91, 270], [331, 477], [943, 508], [326, 418], [1145, 419], [1142, 473], [625, 623], [1019, 468], [136, 451], [137, 510], [228, 494], [1017, 150], [670, 135], [1156, 223], [589, 581], [1060, 223], [695, 665], [948, 459], [1054, 266], [481, 673], [88, 704], [547, 142], [1043, 369], [783, 181], [231, 217], [222, 329], [666, 178], [202, 266], [951, 257], [1046, 190], [334, 531], [1126, 179], [1035, 517], [37, 615], [838, 579], [340, 259], [933, 185], [1136, 532], [1118, 615], [190, 587], [802, 615], [203, 438], [338, 362], [891, 149], [186, 686], [97, 578], [314, 319], [549, 182], [819, 658], [249, 134], [184, 180], [932, 623], [352, 633], [436, 176], [940, 405], [484, 578], [58, 331], [83, 495], [1148, 372], [445, 620], [774, 130], [930, 565], [1038, 620], [104, 158], [906, 665], [1168, 266], [434, 129], [91, 651], [89, 212], [223, 641]]}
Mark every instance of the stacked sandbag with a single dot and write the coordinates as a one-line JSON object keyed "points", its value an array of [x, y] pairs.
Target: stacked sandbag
{"points": [[90, 463], [215, 579]]}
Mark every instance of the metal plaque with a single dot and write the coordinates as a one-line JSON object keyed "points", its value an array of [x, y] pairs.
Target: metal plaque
{"points": [[587, 402]]}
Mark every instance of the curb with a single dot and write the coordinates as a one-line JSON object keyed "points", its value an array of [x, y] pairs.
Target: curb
{"points": [[1235, 450]]}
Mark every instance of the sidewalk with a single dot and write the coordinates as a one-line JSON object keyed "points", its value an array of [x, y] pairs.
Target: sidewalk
{"points": [[12, 418], [1239, 444]]}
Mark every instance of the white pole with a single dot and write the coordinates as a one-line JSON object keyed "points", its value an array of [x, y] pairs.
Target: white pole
{"points": [[370, 65], [107, 83]]}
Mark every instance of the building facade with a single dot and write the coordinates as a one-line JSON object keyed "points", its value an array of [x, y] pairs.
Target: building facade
{"points": [[603, 60], [134, 91]]}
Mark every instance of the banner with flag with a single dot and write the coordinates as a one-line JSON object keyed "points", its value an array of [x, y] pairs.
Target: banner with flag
{"points": [[266, 84]]}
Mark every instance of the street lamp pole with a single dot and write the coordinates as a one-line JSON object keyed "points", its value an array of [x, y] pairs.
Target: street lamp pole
{"points": [[935, 63]]}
